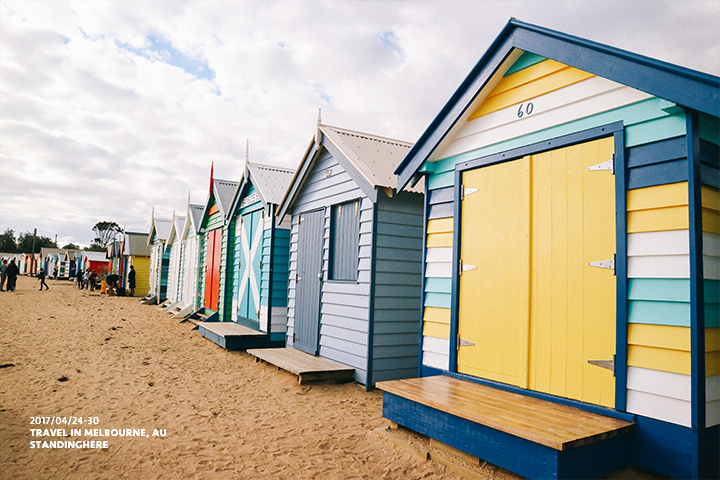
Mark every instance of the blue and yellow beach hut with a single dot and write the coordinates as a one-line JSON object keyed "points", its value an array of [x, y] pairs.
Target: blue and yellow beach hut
{"points": [[571, 263]]}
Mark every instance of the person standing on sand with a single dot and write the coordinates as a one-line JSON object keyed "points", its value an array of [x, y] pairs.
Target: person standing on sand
{"points": [[3, 274], [79, 277], [12, 273], [131, 281], [41, 276]]}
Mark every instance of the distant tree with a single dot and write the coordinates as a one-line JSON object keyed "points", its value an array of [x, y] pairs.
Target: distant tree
{"points": [[8, 244], [25, 243], [71, 246], [104, 233]]}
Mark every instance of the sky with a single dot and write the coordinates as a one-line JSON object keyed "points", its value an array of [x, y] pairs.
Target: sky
{"points": [[110, 110]]}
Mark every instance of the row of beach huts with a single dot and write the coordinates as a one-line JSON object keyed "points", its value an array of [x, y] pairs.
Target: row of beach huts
{"points": [[59, 263], [534, 282]]}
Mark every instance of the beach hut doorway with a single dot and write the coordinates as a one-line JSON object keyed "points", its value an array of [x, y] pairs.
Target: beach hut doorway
{"points": [[212, 269], [249, 267], [536, 272], [309, 281]]}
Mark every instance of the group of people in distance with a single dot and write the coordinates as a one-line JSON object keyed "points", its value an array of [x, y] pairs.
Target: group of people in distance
{"points": [[87, 279]]}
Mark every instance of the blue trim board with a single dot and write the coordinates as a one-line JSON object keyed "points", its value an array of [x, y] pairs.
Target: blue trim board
{"points": [[369, 383], [455, 272], [621, 269], [508, 451], [426, 208]]}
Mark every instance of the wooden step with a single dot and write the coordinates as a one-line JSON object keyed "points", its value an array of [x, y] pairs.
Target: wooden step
{"points": [[232, 336], [307, 367], [551, 424]]}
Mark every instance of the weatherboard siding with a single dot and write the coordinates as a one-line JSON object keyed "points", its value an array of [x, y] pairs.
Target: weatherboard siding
{"points": [[397, 297], [658, 215]]}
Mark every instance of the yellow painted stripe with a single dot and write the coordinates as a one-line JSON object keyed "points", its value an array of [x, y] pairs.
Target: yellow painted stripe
{"points": [[436, 330], [541, 86], [658, 220], [712, 339], [710, 221], [440, 225], [440, 240], [662, 336], [670, 195], [712, 364], [527, 75], [675, 361], [437, 315], [710, 198]]}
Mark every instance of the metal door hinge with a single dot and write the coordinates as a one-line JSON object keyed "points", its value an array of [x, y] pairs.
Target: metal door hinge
{"points": [[464, 191], [608, 165], [461, 342], [609, 264], [608, 364], [464, 267], [297, 278]]}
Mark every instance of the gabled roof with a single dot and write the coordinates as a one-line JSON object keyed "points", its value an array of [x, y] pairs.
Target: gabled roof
{"points": [[194, 215], [689, 88], [159, 227], [136, 244], [270, 183], [223, 191], [177, 228], [45, 251], [94, 256], [368, 159]]}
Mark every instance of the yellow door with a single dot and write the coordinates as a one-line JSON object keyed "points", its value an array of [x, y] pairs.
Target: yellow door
{"points": [[534, 311]]}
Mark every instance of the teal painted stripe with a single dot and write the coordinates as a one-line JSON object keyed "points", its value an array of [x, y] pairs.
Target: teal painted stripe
{"points": [[441, 300], [659, 313], [712, 291], [659, 289], [712, 315], [438, 285], [635, 113], [710, 128], [654, 130], [277, 337], [526, 60]]}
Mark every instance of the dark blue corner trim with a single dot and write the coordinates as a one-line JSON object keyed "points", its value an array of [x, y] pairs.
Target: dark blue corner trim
{"points": [[689, 88]]}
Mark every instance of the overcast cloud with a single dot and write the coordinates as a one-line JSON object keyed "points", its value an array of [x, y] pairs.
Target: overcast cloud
{"points": [[111, 108]]}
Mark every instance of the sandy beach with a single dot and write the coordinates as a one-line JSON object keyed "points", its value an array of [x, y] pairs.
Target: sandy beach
{"points": [[72, 354]]}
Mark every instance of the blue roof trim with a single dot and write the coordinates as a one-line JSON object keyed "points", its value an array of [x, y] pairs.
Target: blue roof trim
{"points": [[695, 90]]}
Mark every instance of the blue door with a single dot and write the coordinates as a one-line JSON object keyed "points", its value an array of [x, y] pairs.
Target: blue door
{"points": [[309, 281]]}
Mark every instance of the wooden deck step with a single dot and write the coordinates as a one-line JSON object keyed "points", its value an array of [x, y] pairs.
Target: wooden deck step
{"points": [[551, 424], [307, 367], [232, 336]]}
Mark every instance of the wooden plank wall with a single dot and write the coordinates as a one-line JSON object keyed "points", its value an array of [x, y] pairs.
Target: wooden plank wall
{"points": [[398, 289], [274, 297]]}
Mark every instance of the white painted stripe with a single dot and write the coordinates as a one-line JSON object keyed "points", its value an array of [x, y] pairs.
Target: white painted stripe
{"points": [[438, 270], [673, 242], [712, 388], [711, 244], [666, 384], [712, 413], [436, 345], [711, 267], [583, 99], [439, 254], [659, 407], [659, 266], [436, 361]]}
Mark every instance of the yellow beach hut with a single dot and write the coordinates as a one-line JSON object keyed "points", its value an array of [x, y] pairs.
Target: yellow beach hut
{"points": [[571, 263]]}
